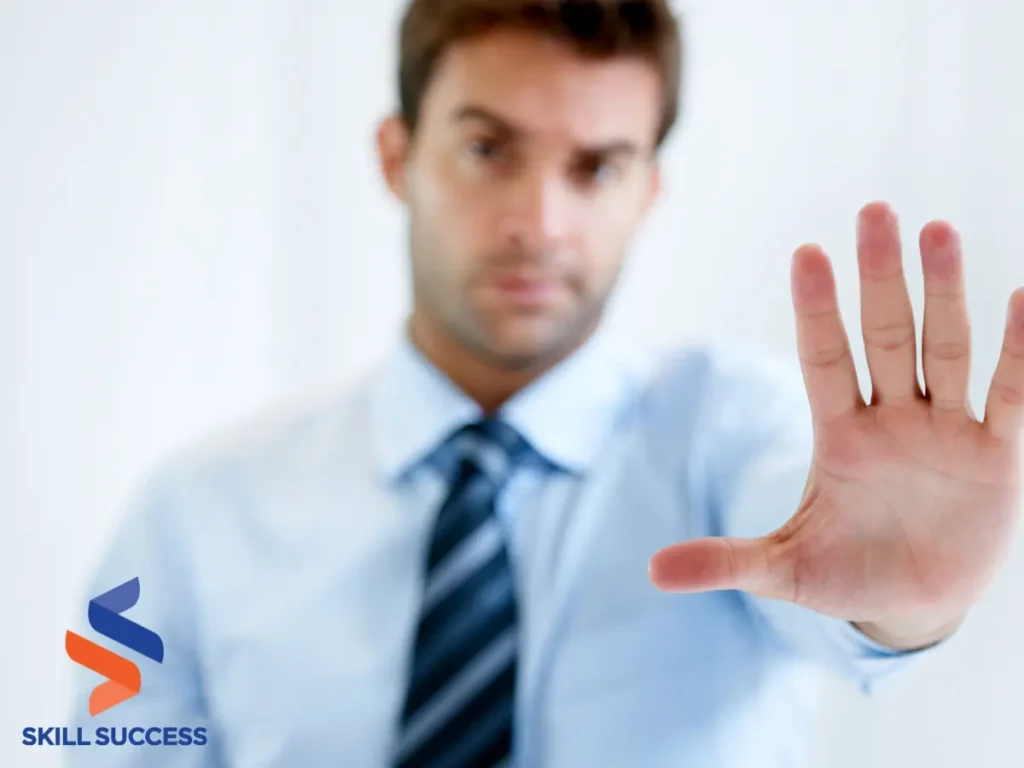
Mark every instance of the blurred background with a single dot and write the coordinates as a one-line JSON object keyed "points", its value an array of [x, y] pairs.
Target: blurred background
{"points": [[192, 226]]}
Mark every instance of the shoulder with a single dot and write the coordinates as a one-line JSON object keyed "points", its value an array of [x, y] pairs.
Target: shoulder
{"points": [[720, 404], [723, 379], [285, 442]]}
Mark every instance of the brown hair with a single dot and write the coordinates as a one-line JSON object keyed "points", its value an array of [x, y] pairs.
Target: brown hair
{"points": [[597, 28]]}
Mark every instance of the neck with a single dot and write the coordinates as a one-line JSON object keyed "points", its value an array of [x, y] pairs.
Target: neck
{"points": [[486, 380]]}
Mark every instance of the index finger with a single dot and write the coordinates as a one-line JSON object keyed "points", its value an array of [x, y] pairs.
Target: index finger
{"points": [[822, 342]]}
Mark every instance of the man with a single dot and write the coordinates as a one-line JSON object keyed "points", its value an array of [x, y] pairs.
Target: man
{"points": [[448, 564]]}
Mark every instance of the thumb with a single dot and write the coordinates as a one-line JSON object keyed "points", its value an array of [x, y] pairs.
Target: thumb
{"points": [[715, 563]]}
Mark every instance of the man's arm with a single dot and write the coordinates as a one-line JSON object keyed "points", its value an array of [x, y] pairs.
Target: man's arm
{"points": [[149, 545]]}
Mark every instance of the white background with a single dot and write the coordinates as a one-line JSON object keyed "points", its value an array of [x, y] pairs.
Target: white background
{"points": [[192, 226]]}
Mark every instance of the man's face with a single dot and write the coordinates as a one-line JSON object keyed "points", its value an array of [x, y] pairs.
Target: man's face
{"points": [[530, 171]]}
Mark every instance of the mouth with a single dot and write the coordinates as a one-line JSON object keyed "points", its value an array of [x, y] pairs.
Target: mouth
{"points": [[526, 290]]}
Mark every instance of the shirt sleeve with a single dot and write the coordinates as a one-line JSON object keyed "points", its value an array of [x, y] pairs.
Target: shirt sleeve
{"points": [[759, 447], [148, 545]]}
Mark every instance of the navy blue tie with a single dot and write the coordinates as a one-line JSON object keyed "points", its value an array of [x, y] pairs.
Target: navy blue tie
{"points": [[460, 698]]}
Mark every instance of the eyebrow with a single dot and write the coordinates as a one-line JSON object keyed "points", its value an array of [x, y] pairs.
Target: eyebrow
{"points": [[472, 112], [617, 147]]}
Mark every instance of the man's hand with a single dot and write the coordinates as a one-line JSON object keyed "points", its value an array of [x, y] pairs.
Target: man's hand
{"points": [[911, 503]]}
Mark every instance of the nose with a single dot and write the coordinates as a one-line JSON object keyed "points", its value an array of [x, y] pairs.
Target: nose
{"points": [[539, 213]]}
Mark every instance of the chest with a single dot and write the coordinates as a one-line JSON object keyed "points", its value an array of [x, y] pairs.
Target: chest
{"points": [[308, 661]]}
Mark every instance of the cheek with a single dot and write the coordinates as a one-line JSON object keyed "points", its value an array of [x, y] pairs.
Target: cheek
{"points": [[605, 237], [460, 211]]}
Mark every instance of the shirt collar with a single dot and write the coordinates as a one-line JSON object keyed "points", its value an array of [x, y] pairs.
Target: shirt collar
{"points": [[564, 414]]}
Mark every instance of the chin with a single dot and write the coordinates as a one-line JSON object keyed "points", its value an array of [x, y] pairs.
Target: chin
{"points": [[520, 340], [521, 350]]}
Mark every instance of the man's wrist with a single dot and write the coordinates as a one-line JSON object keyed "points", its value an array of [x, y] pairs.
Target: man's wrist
{"points": [[911, 633]]}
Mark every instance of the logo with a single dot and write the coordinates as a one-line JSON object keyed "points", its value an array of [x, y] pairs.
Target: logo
{"points": [[124, 679]]}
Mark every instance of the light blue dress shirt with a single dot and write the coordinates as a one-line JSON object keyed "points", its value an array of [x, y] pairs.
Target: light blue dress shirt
{"points": [[282, 565]]}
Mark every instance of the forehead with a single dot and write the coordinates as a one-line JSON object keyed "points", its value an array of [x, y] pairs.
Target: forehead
{"points": [[547, 90]]}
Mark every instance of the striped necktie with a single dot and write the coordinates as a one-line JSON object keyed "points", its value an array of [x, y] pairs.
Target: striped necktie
{"points": [[460, 697]]}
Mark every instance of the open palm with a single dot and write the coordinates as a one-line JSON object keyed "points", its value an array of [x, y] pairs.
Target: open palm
{"points": [[911, 502]]}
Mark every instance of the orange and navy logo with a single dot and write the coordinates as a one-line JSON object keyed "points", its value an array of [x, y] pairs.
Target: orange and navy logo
{"points": [[124, 679]]}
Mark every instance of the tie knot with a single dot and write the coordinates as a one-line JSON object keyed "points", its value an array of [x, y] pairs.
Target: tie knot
{"points": [[491, 445], [499, 434]]}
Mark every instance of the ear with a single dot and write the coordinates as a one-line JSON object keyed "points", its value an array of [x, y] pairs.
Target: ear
{"points": [[392, 153], [655, 185]]}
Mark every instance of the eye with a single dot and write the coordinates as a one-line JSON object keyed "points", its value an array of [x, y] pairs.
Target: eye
{"points": [[597, 171], [486, 149]]}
